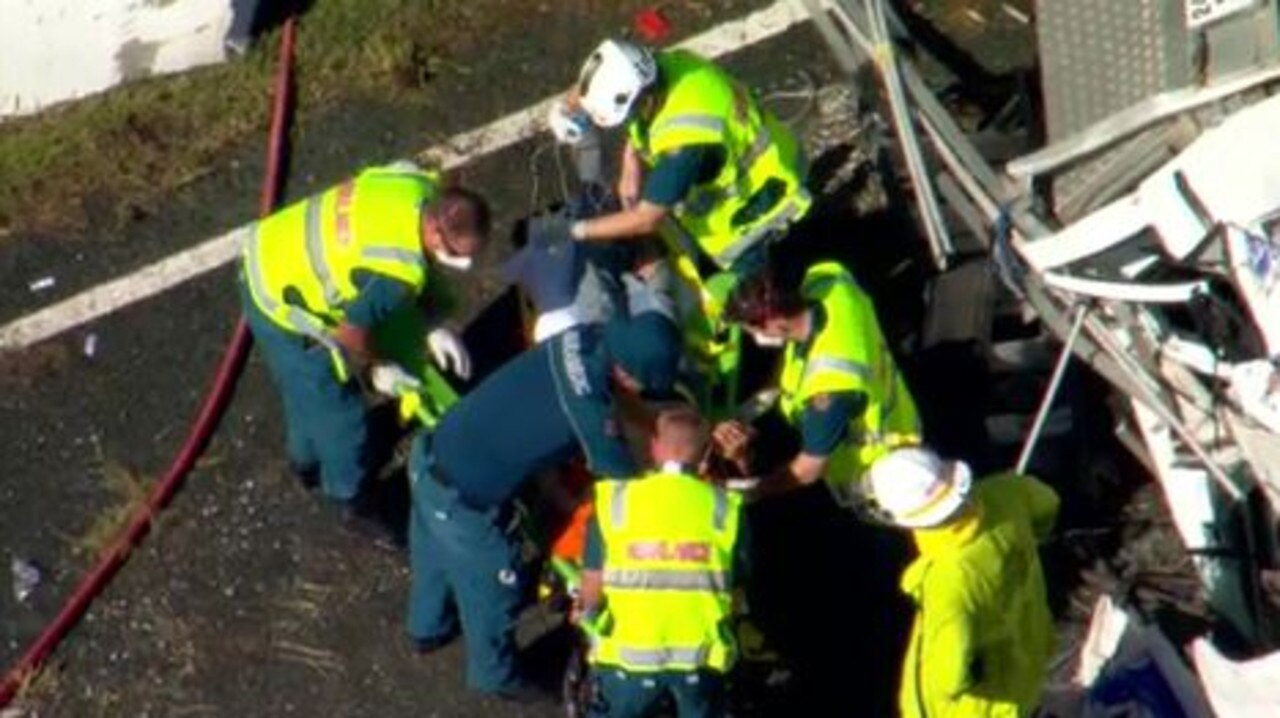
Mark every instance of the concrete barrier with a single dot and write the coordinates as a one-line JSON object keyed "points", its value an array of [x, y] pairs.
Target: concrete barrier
{"points": [[57, 50]]}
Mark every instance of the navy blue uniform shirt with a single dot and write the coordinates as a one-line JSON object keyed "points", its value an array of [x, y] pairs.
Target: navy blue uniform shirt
{"points": [[676, 172], [535, 412], [380, 296]]}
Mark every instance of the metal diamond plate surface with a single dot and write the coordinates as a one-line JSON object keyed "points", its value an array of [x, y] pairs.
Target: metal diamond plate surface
{"points": [[1097, 58], [1101, 56]]}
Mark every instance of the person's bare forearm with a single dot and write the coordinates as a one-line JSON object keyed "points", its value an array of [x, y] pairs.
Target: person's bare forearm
{"points": [[801, 471], [591, 592], [639, 222], [631, 177]]}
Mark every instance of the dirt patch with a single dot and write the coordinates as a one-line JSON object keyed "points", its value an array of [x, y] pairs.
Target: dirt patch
{"points": [[22, 369]]}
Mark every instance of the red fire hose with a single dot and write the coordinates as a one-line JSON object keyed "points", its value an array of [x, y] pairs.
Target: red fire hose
{"points": [[211, 412]]}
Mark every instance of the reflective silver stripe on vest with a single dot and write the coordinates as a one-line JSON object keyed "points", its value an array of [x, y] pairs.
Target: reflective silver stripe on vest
{"points": [[666, 580], [790, 212], [393, 254], [844, 366], [315, 253], [892, 402], [666, 656], [253, 270], [618, 504], [309, 325], [689, 121], [299, 319], [721, 514], [757, 149]]}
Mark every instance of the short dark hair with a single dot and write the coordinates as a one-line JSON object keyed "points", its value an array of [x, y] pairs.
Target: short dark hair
{"points": [[682, 429], [459, 209], [762, 296]]}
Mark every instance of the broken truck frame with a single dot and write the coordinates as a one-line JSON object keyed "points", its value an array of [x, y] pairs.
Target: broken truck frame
{"points": [[1144, 206]]}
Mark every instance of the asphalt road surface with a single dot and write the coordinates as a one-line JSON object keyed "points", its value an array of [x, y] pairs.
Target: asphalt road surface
{"points": [[247, 599]]}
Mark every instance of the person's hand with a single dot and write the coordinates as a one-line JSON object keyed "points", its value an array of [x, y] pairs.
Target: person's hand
{"points": [[733, 440], [569, 125], [578, 614], [393, 381], [449, 352], [548, 231]]}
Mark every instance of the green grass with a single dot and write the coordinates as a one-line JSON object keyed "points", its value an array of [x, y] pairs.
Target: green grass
{"points": [[133, 145]]}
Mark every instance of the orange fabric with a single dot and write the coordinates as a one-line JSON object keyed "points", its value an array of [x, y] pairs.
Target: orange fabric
{"points": [[572, 539]]}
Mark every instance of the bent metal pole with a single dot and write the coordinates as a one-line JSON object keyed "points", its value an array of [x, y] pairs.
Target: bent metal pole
{"points": [[215, 404], [1051, 392]]}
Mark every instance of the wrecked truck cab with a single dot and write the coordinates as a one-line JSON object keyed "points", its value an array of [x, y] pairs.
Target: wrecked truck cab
{"points": [[1142, 229]]}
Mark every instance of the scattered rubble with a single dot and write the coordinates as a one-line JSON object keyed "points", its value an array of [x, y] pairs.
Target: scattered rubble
{"points": [[26, 578]]}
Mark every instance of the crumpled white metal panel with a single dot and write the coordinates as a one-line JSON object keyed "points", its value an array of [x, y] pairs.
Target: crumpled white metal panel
{"points": [[56, 50], [1239, 689]]}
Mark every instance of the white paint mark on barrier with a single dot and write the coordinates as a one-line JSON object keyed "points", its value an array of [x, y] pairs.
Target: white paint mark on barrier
{"points": [[460, 149]]}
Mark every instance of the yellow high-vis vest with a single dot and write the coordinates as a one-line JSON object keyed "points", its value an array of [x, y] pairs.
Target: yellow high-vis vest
{"points": [[669, 541], [704, 105], [849, 354], [299, 262]]}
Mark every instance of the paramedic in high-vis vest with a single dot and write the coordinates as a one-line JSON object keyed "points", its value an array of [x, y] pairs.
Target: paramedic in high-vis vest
{"points": [[840, 386], [320, 275], [663, 555], [700, 150]]}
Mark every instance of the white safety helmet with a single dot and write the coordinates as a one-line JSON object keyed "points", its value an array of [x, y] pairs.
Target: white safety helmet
{"points": [[917, 488], [615, 74]]}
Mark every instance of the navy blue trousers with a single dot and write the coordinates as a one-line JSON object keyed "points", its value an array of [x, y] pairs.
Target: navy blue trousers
{"points": [[465, 564], [325, 425], [619, 694]]}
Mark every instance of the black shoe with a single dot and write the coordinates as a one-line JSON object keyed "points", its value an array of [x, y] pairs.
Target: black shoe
{"points": [[357, 517], [369, 526], [306, 475], [427, 646], [525, 694]]}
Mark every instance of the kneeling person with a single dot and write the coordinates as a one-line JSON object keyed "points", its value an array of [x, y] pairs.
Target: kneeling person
{"points": [[840, 385], [539, 410], [662, 554], [320, 277]]}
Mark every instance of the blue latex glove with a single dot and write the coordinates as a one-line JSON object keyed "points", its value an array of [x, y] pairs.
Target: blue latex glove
{"points": [[549, 268]]}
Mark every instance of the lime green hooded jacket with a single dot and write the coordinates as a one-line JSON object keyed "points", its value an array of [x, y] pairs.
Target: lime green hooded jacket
{"points": [[983, 633]]}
